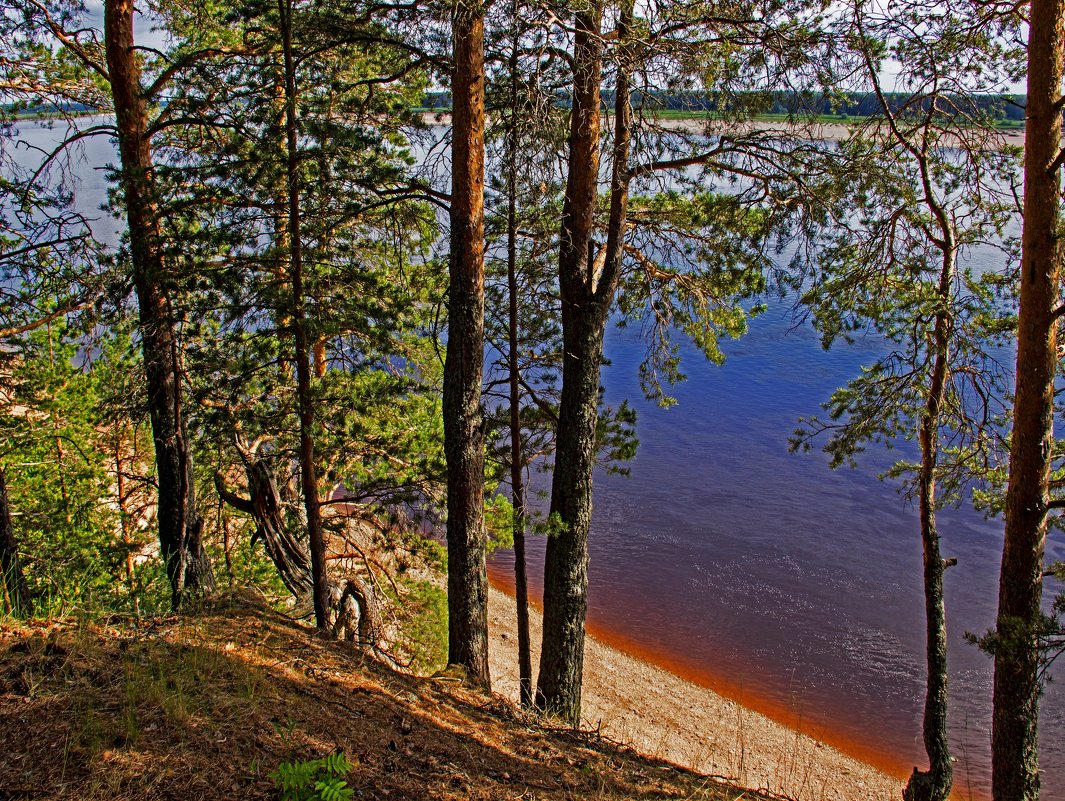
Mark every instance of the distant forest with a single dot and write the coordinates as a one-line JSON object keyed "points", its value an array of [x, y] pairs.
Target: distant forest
{"points": [[1007, 108]]}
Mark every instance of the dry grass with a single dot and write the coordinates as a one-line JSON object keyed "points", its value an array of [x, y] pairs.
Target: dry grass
{"points": [[206, 706]]}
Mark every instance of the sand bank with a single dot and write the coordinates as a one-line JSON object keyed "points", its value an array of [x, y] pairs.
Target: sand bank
{"points": [[814, 131], [663, 715]]}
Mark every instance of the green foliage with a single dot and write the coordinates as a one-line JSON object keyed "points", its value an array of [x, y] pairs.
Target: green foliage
{"points": [[615, 433], [314, 779], [422, 610], [369, 285], [78, 474], [499, 520], [696, 258], [1016, 639], [905, 199], [551, 526], [238, 562], [403, 535]]}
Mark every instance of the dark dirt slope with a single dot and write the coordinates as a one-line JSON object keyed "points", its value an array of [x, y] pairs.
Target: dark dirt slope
{"points": [[206, 706]]}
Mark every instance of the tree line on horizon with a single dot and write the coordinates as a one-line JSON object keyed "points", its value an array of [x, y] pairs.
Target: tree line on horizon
{"points": [[321, 309], [1004, 107]]}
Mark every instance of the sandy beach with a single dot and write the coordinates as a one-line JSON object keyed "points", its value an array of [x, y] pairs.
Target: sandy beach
{"points": [[813, 131], [810, 131], [662, 715]]}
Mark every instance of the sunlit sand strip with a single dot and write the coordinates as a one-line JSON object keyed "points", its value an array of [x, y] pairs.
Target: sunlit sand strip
{"points": [[663, 715], [812, 131]]}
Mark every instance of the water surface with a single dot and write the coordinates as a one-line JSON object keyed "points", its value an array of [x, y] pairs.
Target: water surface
{"points": [[769, 576]]}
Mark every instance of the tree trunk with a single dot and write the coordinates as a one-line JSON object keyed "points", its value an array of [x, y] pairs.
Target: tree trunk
{"points": [[463, 435], [586, 302], [286, 550], [935, 783], [17, 599], [353, 612], [1014, 761], [321, 362], [517, 462], [303, 345], [358, 617], [60, 455], [180, 525]]}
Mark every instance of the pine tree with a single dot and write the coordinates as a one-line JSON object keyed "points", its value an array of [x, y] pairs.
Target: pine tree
{"points": [[1014, 746], [463, 435], [907, 194], [679, 260], [335, 201]]}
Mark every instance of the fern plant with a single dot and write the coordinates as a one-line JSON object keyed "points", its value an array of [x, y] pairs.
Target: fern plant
{"points": [[313, 779]]}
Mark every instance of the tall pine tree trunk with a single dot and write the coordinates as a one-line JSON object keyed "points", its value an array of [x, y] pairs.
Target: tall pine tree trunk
{"points": [[467, 578], [517, 466], [586, 302], [1014, 761], [180, 526], [517, 460], [16, 592], [303, 344]]}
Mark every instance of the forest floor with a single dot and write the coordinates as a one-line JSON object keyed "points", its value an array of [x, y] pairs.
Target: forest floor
{"points": [[208, 705]]}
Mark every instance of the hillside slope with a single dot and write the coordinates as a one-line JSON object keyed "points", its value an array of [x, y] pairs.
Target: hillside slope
{"points": [[206, 706]]}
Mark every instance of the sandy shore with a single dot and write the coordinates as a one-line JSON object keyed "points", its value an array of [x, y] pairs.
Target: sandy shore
{"points": [[663, 715], [814, 131]]}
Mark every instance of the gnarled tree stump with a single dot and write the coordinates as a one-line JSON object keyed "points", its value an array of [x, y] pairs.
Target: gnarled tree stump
{"points": [[354, 613]]}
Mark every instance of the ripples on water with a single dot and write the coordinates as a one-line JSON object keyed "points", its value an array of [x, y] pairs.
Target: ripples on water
{"points": [[767, 574]]}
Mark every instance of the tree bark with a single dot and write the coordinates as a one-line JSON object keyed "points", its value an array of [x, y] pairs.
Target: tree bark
{"points": [[463, 435], [358, 617], [1014, 761], [303, 344], [180, 525], [517, 461], [17, 599], [321, 362], [586, 302], [287, 551]]}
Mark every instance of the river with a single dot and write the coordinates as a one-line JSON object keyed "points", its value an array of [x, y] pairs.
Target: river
{"points": [[792, 587]]}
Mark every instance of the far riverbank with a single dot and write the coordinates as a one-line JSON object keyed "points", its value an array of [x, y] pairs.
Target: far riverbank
{"points": [[813, 131]]}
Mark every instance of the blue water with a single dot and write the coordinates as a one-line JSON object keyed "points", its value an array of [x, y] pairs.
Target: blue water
{"points": [[82, 168], [727, 554]]}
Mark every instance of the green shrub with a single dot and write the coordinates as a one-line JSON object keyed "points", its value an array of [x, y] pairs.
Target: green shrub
{"points": [[313, 779], [422, 611]]}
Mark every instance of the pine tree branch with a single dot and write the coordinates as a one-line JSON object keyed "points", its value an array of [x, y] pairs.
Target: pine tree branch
{"points": [[45, 320]]}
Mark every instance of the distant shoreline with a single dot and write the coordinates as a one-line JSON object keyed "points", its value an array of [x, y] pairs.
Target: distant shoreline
{"points": [[662, 714], [813, 131]]}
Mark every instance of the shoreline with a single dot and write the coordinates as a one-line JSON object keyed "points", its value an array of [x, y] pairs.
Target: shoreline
{"points": [[813, 131], [666, 715]]}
